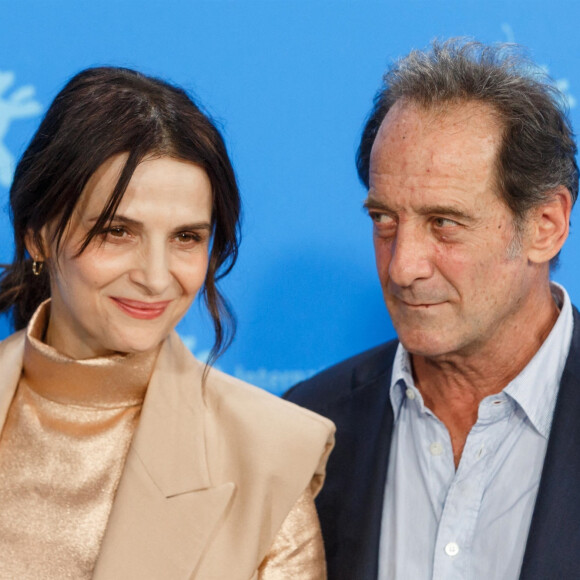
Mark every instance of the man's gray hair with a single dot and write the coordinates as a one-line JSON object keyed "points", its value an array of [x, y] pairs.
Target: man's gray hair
{"points": [[537, 153]]}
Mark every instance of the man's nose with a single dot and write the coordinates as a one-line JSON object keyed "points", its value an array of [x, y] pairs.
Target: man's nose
{"points": [[152, 269], [410, 258]]}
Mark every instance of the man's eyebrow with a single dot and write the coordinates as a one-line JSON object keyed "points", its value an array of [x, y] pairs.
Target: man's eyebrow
{"points": [[372, 203], [437, 209], [445, 210]]}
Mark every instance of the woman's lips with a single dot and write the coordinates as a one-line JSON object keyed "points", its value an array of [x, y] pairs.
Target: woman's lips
{"points": [[141, 310]]}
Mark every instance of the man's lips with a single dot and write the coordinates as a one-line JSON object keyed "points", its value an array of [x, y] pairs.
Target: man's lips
{"points": [[420, 304], [139, 309]]}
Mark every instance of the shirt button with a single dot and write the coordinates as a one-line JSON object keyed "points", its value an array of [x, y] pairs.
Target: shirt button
{"points": [[452, 549], [410, 394], [436, 448]]}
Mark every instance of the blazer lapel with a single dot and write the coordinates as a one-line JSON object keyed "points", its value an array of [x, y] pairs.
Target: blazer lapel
{"points": [[354, 504], [553, 547], [11, 355], [166, 510]]}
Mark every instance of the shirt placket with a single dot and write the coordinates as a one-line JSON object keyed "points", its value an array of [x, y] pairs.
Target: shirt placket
{"points": [[462, 505]]}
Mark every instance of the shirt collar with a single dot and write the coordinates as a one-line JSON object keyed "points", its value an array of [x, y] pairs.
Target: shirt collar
{"points": [[401, 379], [536, 387]]}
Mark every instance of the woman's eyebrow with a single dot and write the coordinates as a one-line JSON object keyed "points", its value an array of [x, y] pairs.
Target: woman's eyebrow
{"points": [[193, 226], [196, 225], [117, 218], [121, 219]]}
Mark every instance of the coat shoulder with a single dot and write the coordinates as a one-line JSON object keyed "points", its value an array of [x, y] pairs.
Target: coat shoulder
{"points": [[255, 402], [275, 434], [13, 344], [338, 381]]}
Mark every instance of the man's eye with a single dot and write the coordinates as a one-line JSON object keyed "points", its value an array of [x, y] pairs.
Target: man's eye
{"points": [[444, 222], [380, 218]]}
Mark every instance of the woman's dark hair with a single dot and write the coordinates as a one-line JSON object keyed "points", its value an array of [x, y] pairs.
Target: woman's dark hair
{"points": [[103, 112]]}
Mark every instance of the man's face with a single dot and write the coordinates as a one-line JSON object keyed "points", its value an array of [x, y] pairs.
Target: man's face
{"points": [[454, 274]]}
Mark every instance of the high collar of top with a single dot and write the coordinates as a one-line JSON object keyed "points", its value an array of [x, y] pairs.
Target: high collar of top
{"points": [[118, 380]]}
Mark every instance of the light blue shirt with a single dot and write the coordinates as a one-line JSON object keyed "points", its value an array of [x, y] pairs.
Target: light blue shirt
{"points": [[469, 524]]}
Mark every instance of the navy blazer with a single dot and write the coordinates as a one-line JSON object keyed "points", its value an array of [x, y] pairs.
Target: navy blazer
{"points": [[355, 395]]}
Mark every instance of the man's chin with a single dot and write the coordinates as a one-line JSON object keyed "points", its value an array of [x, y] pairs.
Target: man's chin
{"points": [[426, 344]]}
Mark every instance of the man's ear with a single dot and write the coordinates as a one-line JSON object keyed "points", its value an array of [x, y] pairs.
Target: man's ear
{"points": [[548, 226]]}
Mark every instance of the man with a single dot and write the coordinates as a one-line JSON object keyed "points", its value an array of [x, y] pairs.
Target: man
{"points": [[458, 446]]}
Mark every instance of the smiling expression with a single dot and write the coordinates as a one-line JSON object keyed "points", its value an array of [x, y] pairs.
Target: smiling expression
{"points": [[134, 282], [452, 269]]}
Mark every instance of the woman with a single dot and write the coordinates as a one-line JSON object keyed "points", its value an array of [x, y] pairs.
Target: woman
{"points": [[121, 456]]}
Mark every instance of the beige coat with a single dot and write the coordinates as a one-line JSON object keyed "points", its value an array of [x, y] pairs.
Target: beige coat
{"points": [[210, 476]]}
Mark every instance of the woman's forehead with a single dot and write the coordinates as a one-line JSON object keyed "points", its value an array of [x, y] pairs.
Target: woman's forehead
{"points": [[159, 181]]}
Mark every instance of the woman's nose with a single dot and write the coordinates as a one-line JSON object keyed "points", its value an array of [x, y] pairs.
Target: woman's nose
{"points": [[152, 270]]}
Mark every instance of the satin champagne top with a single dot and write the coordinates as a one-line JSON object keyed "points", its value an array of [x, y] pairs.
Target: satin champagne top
{"points": [[298, 550], [62, 451]]}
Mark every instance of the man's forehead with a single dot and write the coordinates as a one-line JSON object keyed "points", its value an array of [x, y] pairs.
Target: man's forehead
{"points": [[462, 138], [447, 117]]}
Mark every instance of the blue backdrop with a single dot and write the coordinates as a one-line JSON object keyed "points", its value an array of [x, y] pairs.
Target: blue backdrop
{"points": [[290, 83]]}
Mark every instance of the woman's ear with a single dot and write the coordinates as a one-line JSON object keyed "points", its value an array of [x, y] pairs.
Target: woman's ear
{"points": [[37, 248], [549, 224]]}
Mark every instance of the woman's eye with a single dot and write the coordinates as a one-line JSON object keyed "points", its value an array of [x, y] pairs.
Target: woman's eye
{"points": [[188, 238], [115, 232]]}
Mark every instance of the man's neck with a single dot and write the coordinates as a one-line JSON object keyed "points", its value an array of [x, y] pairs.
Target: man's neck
{"points": [[453, 385]]}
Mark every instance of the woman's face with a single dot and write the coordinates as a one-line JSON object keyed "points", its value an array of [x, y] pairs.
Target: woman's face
{"points": [[137, 279]]}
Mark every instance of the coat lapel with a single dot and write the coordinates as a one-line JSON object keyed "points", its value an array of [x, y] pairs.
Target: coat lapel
{"points": [[553, 547], [11, 355], [166, 510], [353, 505]]}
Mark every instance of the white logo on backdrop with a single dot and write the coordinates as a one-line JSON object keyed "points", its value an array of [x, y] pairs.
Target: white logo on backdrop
{"points": [[563, 84], [19, 104], [276, 381]]}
